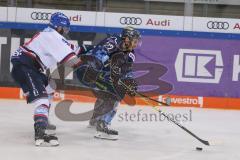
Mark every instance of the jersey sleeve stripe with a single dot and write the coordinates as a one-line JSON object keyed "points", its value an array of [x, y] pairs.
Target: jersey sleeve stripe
{"points": [[69, 56], [33, 55]]}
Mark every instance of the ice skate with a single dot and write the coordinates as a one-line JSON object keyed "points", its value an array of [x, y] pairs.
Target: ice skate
{"points": [[43, 139], [104, 132]]}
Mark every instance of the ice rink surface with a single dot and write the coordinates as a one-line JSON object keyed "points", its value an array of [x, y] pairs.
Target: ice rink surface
{"points": [[140, 137]]}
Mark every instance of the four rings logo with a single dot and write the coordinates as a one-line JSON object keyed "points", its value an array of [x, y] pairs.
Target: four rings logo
{"points": [[41, 16], [218, 25], [130, 20]]}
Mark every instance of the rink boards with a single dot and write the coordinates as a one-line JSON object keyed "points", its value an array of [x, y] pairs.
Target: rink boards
{"points": [[176, 100]]}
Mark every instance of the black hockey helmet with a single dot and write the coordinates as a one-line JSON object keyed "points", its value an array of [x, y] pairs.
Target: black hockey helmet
{"points": [[131, 33], [131, 38]]}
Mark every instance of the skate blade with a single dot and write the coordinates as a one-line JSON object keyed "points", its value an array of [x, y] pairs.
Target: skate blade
{"points": [[100, 135], [42, 143]]}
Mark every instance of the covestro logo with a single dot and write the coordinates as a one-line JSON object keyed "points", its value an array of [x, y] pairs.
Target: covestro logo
{"points": [[188, 101]]}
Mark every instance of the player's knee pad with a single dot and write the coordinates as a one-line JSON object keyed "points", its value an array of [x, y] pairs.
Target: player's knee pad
{"points": [[41, 112], [42, 107]]}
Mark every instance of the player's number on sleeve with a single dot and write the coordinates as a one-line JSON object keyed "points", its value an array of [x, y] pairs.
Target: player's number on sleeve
{"points": [[17, 53], [108, 46]]}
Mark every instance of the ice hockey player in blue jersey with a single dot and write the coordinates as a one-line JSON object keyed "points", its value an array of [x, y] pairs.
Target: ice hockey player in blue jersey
{"points": [[103, 67], [44, 50]]}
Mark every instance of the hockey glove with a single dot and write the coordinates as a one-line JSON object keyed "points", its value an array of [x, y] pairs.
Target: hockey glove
{"points": [[130, 86], [90, 75]]}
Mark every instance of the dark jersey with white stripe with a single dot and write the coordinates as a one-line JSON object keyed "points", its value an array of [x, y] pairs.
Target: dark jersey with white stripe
{"points": [[107, 49], [109, 53]]}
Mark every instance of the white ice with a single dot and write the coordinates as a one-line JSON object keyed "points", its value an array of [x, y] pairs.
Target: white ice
{"points": [[139, 140]]}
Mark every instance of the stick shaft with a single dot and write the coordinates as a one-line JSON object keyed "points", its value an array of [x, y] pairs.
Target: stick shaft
{"points": [[146, 98]]}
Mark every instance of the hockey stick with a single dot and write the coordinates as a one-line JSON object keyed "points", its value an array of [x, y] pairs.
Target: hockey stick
{"points": [[146, 98], [163, 103]]}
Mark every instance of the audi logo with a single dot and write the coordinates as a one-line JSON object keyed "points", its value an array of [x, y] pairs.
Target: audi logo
{"points": [[130, 20], [40, 16], [218, 25]]}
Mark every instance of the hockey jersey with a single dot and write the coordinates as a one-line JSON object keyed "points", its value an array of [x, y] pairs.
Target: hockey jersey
{"points": [[108, 52], [47, 48]]}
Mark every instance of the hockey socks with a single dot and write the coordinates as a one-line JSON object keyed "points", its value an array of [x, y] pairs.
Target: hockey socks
{"points": [[40, 126]]}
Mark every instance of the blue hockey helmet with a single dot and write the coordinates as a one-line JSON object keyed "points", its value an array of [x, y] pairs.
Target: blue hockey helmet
{"points": [[59, 19]]}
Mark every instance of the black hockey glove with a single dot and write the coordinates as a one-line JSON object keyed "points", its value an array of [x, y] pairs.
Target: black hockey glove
{"points": [[90, 75], [92, 68], [130, 86]]}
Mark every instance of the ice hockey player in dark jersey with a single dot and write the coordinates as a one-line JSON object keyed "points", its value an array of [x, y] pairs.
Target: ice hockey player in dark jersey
{"points": [[104, 66]]}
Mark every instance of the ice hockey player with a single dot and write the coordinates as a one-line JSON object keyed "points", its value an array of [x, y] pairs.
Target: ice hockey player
{"points": [[103, 67], [44, 50]]}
